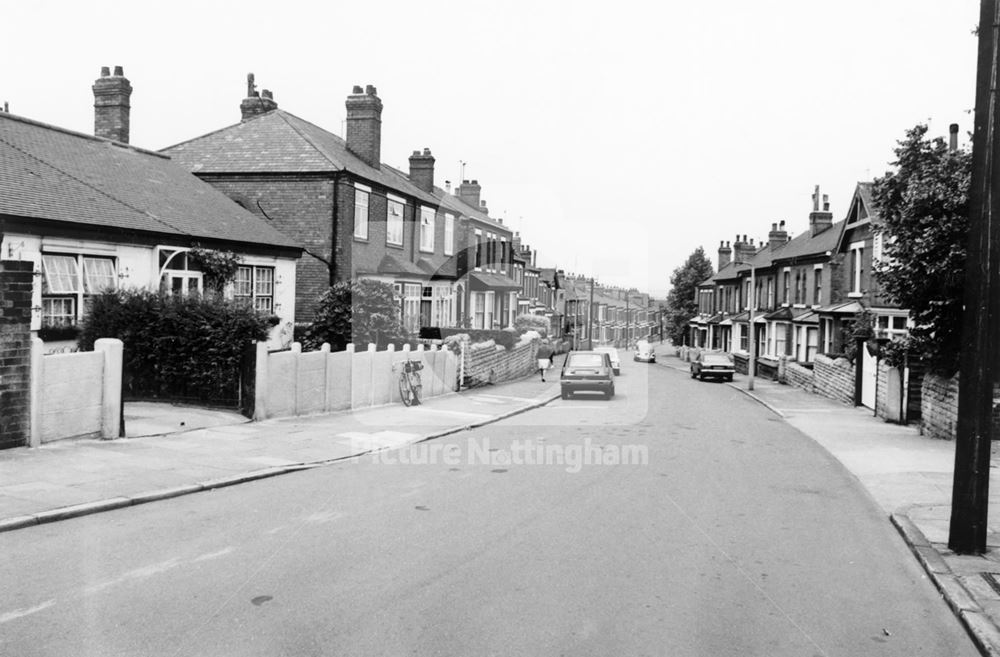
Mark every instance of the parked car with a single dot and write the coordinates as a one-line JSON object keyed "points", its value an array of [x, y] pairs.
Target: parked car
{"points": [[587, 371], [710, 365], [644, 352], [616, 363]]}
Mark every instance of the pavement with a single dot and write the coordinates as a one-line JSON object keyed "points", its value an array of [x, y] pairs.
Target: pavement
{"points": [[910, 477], [176, 450], [171, 450]]}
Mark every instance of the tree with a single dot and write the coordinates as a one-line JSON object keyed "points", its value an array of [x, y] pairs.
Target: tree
{"points": [[529, 322], [361, 311], [923, 206], [682, 301]]}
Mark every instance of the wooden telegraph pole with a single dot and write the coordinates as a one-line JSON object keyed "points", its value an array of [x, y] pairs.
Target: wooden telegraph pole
{"points": [[978, 366]]}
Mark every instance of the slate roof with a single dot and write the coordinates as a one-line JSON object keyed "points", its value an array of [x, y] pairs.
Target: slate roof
{"points": [[56, 174], [806, 245], [280, 142], [729, 272], [456, 204]]}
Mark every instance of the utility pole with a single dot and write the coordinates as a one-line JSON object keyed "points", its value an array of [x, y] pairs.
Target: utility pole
{"points": [[627, 318], [590, 317], [978, 360], [752, 338]]}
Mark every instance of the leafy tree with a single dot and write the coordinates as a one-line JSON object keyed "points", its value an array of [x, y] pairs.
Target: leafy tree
{"points": [[361, 311], [682, 301], [923, 206]]}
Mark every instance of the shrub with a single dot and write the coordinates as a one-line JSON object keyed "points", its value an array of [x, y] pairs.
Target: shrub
{"points": [[174, 342], [537, 323], [505, 338], [361, 311]]}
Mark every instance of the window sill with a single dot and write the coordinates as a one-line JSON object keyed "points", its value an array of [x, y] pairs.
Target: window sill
{"points": [[855, 295], [361, 239], [394, 245]]}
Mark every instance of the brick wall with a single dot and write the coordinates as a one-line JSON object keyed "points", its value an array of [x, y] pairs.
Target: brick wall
{"points": [[486, 365], [16, 279], [799, 376], [939, 406], [834, 378], [301, 207]]}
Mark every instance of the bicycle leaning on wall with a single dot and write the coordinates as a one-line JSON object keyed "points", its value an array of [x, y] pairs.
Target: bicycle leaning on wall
{"points": [[409, 381]]}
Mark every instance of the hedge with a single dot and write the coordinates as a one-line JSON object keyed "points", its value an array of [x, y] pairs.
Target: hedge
{"points": [[175, 343]]}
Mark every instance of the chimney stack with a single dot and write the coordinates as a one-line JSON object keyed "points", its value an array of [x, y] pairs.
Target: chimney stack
{"points": [[953, 137], [469, 192], [725, 254], [820, 219], [111, 105], [777, 236], [364, 125], [255, 103], [422, 170]]}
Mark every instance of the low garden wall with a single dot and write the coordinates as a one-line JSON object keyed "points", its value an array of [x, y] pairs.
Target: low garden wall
{"points": [[939, 406], [76, 395], [489, 363], [799, 376], [834, 378]]}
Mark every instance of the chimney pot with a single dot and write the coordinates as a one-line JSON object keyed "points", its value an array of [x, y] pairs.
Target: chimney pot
{"points": [[370, 90], [256, 103], [105, 71], [357, 89], [119, 72], [953, 137], [266, 93]]}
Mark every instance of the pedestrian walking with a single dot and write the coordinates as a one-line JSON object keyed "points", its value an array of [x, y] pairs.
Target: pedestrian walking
{"points": [[545, 355]]}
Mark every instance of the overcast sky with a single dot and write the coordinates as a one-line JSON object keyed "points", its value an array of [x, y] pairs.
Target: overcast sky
{"points": [[617, 137]]}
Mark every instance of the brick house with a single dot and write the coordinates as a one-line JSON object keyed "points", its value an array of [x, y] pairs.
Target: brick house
{"points": [[93, 213], [355, 216], [806, 276], [487, 290]]}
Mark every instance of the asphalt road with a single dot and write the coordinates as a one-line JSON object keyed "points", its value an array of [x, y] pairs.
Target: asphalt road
{"points": [[725, 532]]}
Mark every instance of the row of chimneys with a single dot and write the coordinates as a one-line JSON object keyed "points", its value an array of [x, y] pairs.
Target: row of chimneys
{"points": [[112, 94], [743, 251]]}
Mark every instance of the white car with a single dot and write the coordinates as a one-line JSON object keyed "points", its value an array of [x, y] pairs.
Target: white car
{"points": [[616, 363], [644, 352]]}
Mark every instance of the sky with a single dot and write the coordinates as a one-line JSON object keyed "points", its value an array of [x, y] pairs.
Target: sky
{"points": [[617, 138]]}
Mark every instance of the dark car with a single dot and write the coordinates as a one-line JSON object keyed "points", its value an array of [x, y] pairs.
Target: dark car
{"points": [[587, 371], [710, 365]]}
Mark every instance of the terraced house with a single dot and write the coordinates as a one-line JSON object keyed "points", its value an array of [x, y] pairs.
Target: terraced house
{"points": [[355, 215]]}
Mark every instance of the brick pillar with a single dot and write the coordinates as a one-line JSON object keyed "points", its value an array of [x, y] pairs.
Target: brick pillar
{"points": [[16, 279]]}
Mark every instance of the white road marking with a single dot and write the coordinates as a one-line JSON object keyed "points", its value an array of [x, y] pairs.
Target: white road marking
{"points": [[21, 613], [214, 555], [435, 411]]}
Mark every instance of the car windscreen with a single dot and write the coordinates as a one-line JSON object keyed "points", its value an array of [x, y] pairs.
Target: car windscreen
{"points": [[585, 360], [710, 359]]}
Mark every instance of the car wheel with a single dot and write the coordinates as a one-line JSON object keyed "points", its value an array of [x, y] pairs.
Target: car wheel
{"points": [[617, 372], [693, 374], [701, 377], [729, 378], [565, 395]]}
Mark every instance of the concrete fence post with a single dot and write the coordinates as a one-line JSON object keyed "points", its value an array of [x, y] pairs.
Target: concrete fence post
{"points": [[111, 399], [260, 383], [372, 348], [35, 400]]}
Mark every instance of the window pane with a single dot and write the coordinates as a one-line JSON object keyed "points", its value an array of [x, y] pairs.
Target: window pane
{"points": [[58, 312], [360, 214], [243, 283], [98, 275], [264, 283], [394, 223], [61, 274]]}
